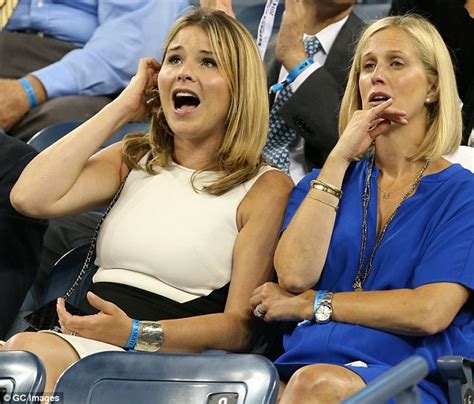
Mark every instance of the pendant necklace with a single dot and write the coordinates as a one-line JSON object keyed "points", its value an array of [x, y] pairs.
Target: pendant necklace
{"points": [[363, 275], [386, 195]]}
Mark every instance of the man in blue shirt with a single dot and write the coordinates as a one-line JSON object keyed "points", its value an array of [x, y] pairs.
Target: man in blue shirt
{"points": [[85, 50]]}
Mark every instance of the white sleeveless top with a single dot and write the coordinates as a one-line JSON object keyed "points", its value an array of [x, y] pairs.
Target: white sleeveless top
{"points": [[164, 237]]}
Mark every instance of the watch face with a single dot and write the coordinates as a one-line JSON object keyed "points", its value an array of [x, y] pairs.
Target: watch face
{"points": [[323, 313]]}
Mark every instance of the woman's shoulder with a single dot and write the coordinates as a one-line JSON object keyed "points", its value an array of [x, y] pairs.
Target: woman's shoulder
{"points": [[454, 177], [268, 178]]}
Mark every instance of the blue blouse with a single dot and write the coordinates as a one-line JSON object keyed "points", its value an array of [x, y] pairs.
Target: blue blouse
{"points": [[431, 239]]}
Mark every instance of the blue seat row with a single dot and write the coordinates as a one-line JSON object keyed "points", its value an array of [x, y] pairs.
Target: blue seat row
{"points": [[124, 377], [138, 377]]}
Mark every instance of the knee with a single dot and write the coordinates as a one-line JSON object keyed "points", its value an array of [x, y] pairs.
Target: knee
{"points": [[309, 380], [23, 341], [322, 384]]}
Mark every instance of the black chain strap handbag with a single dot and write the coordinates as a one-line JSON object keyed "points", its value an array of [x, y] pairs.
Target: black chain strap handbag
{"points": [[46, 317]]}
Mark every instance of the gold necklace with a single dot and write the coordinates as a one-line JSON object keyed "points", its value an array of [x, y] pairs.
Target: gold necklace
{"points": [[386, 195], [363, 275]]}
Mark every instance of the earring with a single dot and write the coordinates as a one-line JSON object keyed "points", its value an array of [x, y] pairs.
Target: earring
{"points": [[428, 100]]}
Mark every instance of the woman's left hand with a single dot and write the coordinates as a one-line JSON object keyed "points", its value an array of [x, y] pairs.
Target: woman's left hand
{"points": [[272, 303], [110, 325], [365, 126]]}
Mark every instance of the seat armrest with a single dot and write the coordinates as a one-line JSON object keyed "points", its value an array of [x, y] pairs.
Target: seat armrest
{"points": [[400, 382], [457, 370], [456, 367]]}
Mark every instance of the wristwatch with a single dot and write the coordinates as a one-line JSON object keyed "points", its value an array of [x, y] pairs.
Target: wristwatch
{"points": [[323, 311]]}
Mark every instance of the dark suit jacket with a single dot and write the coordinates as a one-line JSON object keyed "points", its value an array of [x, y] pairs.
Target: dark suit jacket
{"points": [[313, 110], [21, 237], [457, 29]]}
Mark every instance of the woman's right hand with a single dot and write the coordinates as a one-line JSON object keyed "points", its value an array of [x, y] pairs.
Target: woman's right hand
{"points": [[133, 98], [271, 302], [365, 126]]}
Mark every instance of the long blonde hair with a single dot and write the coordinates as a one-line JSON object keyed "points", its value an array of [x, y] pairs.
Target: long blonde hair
{"points": [[239, 158], [444, 122]]}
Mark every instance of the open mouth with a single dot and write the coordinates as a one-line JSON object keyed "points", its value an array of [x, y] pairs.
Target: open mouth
{"points": [[185, 101], [378, 98]]}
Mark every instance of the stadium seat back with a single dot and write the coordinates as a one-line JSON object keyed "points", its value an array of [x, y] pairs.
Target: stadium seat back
{"points": [[21, 373], [113, 377]]}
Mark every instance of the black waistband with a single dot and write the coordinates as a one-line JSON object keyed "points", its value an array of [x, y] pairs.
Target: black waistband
{"points": [[144, 305]]}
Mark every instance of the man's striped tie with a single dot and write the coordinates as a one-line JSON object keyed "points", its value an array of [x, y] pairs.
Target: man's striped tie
{"points": [[280, 136], [6, 10]]}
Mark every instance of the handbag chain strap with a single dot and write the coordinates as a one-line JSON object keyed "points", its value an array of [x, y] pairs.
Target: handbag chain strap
{"points": [[91, 251]]}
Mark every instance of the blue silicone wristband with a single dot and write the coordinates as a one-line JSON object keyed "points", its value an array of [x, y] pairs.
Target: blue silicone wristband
{"points": [[132, 339], [317, 299], [292, 75], [30, 92], [319, 296]]}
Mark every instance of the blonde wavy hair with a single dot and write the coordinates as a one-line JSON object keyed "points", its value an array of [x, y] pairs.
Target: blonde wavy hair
{"points": [[239, 158], [444, 121]]}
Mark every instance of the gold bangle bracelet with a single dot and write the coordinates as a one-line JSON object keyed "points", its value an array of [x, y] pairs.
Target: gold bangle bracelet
{"points": [[335, 207], [328, 188]]}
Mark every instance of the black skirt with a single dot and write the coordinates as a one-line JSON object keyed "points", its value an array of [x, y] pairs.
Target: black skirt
{"points": [[143, 305]]}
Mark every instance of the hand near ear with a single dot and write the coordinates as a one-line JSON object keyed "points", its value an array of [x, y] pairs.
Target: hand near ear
{"points": [[133, 99]]}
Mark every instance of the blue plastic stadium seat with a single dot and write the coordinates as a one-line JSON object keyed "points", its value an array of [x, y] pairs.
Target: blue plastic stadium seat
{"points": [[399, 382], [138, 377], [62, 276], [22, 374], [458, 372], [47, 136], [51, 134], [65, 272]]}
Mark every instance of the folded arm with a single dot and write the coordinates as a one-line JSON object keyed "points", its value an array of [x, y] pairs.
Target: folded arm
{"points": [[425, 310]]}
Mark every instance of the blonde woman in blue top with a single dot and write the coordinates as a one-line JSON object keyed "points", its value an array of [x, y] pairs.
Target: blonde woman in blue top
{"points": [[378, 254]]}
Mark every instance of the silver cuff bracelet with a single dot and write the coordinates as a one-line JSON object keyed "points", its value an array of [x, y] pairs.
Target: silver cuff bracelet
{"points": [[151, 337]]}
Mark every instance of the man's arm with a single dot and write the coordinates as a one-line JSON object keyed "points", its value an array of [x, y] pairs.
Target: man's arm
{"points": [[127, 31], [14, 102]]}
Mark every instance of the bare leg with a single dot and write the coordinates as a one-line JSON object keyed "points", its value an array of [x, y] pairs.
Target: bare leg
{"points": [[55, 353], [281, 390], [321, 384]]}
